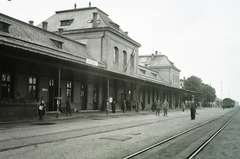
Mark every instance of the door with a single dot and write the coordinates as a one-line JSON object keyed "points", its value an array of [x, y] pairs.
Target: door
{"points": [[52, 95]]}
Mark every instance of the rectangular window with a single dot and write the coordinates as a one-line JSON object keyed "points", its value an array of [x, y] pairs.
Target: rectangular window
{"points": [[58, 44], [154, 75], [6, 85], [4, 27], [32, 85], [143, 71], [66, 22], [69, 89], [51, 82]]}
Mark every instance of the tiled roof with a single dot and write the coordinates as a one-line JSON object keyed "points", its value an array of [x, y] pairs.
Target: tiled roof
{"points": [[156, 61], [30, 37], [148, 75], [82, 19]]}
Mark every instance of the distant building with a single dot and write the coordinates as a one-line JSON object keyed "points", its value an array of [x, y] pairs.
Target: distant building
{"points": [[165, 68], [166, 71]]}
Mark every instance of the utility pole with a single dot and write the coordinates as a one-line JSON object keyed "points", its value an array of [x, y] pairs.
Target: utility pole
{"points": [[221, 90]]}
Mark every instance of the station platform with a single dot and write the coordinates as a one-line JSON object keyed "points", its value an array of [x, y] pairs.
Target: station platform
{"points": [[52, 115]]}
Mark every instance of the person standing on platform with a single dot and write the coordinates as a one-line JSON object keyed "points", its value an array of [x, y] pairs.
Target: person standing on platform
{"points": [[154, 106], [123, 106], [136, 107], [113, 106], [158, 107], [68, 107], [165, 107], [41, 109], [183, 106], [193, 108], [142, 105]]}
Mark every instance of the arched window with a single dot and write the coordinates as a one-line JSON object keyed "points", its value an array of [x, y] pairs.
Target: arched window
{"points": [[116, 54], [124, 58]]}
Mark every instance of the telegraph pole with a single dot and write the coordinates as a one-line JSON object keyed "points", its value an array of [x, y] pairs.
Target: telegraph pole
{"points": [[221, 90]]}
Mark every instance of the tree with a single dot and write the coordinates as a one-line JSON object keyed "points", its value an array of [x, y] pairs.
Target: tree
{"points": [[203, 92], [209, 94], [194, 83]]}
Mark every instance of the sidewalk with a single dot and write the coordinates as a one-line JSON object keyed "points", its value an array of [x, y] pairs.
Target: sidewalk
{"points": [[51, 116]]}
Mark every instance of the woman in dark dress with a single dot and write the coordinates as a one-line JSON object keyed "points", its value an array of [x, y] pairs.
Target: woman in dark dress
{"points": [[113, 106], [41, 109]]}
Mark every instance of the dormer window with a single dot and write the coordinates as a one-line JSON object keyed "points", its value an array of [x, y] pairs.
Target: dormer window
{"points": [[66, 22], [4, 27], [143, 71], [115, 25], [57, 43], [154, 75]]}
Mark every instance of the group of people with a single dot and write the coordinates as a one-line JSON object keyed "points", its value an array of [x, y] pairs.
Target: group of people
{"points": [[41, 108], [158, 105], [127, 105]]}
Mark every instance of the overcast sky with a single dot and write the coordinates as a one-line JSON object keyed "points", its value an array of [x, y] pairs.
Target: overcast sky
{"points": [[201, 37]]}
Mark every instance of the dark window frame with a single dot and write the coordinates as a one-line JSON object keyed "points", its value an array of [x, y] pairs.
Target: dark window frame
{"points": [[69, 89], [66, 22], [4, 27], [116, 54], [124, 57], [6, 82], [57, 43]]}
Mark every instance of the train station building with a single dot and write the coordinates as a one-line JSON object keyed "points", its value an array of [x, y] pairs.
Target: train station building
{"points": [[82, 54]]}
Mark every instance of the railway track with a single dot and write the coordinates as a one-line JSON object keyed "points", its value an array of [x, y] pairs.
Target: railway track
{"points": [[159, 149], [126, 129], [198, 150]]}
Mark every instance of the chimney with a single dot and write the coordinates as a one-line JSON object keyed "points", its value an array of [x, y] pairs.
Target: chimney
{"points": [[75, 6], [152, 56], [44, 25], [89, 3], [31, 22], [95, 19], [156, 52], [60, 31], [126, 32]]}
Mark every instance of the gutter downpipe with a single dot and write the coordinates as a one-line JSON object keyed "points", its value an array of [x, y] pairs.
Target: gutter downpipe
{"points": [[59, 97], [102, 44]]}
